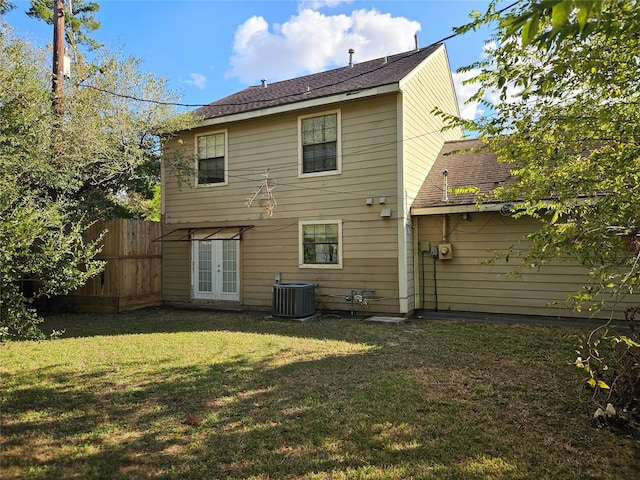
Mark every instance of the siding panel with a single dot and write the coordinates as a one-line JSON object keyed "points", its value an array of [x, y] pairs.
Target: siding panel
{"points": [[370, 247], [470, 282]]}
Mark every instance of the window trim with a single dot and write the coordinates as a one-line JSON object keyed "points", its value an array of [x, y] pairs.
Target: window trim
{"points": [[301, 225], [226, 158], [338, 169]]}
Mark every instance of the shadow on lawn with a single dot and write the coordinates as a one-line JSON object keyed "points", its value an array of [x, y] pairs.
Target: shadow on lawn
{"points": [[361, 414], [338, 327], [170, 320], [395, 402]]}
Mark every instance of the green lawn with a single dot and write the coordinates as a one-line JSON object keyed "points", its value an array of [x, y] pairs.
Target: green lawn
{"points": [[176, 394]]}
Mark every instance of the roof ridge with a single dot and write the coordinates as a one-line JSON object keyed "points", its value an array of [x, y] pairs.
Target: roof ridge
{"points": [[344, 79], [404, 54]]}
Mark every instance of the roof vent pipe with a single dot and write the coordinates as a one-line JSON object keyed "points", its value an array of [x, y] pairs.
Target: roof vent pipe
{"points": [[264, 83], [415, 38], [351, 52], [445, 185]]}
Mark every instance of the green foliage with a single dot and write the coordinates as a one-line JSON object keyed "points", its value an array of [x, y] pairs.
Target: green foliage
{"points": [[79, 24], [39, 246], [466, 189], [560, 79], [155, 204], [567, 18], [103, 160], [6, 6], [145, 204], [40, 237], [113, 143], [565, 115], [612, 364]]}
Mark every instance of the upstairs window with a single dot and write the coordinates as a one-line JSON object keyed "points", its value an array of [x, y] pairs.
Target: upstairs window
{"points": [[319, 144], [321, 244], [212, 158]]}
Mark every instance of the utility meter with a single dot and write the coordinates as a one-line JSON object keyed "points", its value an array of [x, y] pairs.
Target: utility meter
{"points": [[445, 252]]}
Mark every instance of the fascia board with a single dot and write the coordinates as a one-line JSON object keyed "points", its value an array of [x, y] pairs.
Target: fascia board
{"points": [[485, 207], [430, 58], [453, 86], [290, 107], [491, 207], [418, 67]]}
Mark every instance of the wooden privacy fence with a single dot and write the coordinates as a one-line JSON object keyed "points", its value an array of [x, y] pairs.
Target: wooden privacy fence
{"points": [[132, 276]]}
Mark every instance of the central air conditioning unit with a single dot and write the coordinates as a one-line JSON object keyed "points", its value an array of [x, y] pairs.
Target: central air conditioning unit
{"points": [[294, 299]]}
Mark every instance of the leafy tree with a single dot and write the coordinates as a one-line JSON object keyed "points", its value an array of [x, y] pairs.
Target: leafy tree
{"points": [[5, 6], [79, 23], [50, 193], [566, 76], [113, 145], [38, 238]]}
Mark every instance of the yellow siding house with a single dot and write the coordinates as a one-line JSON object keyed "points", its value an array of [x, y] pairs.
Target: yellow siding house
{"points": [[307, 181], [333, 192]]}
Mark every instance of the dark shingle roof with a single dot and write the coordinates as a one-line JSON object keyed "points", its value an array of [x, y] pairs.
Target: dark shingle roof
{"points": [[471, 166], [360, 76]]}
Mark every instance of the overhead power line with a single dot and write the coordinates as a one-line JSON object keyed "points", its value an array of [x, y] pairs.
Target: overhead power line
{"points": [[197, 105], [235, 104], [138, 99]]}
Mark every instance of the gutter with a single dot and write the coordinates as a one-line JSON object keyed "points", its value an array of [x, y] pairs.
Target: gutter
{"points": [[484, 207], [492, 207]]}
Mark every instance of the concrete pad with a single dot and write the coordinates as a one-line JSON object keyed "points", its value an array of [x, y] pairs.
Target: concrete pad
{"points": [[297, 319], [385, 319]]}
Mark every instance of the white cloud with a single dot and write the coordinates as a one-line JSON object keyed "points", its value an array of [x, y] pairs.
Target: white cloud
{"points": [[473, 110], [316, 4], [464, 90], [197, 80], [311, 41], [468, 110]]}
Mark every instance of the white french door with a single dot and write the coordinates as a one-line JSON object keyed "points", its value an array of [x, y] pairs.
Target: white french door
{"points": [[215, 272]]}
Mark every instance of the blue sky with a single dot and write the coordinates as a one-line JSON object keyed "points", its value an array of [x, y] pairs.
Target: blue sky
{"points": [[208, 49]]}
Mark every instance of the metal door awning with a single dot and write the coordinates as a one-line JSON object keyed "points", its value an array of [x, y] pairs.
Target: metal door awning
{"points": [[185, 234]]}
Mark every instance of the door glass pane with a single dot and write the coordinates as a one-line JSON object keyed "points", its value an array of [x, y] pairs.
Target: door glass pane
{"points": [[229, 266], [205, 267]]}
